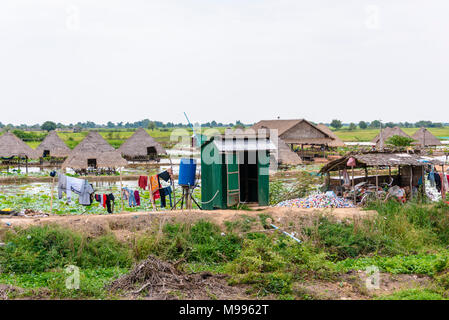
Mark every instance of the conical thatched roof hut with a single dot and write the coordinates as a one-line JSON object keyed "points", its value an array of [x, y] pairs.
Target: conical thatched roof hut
{"points": [[94, 151], [286, 155], [388, 133], [140, 145], [424, 138], [53, 146], [337, 142], [12, 146]]}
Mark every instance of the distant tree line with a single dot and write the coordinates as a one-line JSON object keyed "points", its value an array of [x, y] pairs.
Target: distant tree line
{"points": [[146, 123], [338, 124]]}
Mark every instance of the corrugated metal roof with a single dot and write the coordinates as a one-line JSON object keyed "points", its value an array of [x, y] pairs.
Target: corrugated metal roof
{"points": [[227, 145]]}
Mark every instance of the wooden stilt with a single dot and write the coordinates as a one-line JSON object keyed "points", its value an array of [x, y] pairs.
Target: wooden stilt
{"points": [[411, 182], [353, 188], [26, 164], [51, 201], [377, 182], [121, 190]]}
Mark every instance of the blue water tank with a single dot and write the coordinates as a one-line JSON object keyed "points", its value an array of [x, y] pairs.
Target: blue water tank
{"points": [[187, 172]]}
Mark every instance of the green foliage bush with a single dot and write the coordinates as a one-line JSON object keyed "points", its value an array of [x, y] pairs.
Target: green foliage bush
{"points": [[272, 263], [201, 242], [42, 248]]}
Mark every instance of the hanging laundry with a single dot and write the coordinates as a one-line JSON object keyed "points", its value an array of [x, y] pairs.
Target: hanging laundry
{"points": [[346, 178], [431, 178], [79, 186], [110, 203], [137, 198], [437, 181], [143, 182], [167, 191], [154, 186], [164, 175]]}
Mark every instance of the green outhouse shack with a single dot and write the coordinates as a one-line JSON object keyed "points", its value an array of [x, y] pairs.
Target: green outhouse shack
{"points": [[235, 170]]}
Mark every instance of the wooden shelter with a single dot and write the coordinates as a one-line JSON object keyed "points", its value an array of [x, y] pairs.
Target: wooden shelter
{"points": [[337, 142], [424, 138], [286, 156], [386, 134], [410, 169], [141, 147], [302, 133], [12, 147], [93, 153], [53, 147], [234, 169]]}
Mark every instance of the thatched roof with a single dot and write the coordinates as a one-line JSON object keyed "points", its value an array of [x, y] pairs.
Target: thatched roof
{"points": [[55, 145], [94, 147], [298, 131], [387, 133], [286, 155], [11, 146], [281, 125], [424, 138], [372, 159], [337, 142], [138, 143]]}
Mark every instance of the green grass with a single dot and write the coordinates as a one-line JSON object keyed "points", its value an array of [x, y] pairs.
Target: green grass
{"points": [[414, 294], [117, 137], [369, 134], [403, 239]]}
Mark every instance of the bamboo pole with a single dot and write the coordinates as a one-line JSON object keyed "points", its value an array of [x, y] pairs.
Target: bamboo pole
{"points": [[377, 182], [121, 190], [353, 187], [172, 181], [51, 201]]}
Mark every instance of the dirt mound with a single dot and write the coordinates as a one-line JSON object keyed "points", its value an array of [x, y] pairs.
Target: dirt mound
{"points": [[6, 290], [160, 280]]}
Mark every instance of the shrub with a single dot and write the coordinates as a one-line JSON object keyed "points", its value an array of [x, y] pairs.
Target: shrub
{"points": [[42, 248]]}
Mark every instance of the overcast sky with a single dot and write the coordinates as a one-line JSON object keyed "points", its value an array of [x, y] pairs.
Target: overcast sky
{"points": [[223, 60]]}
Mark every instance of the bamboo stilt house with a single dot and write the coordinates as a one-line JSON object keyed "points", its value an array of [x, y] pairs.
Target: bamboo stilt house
{"points": [[372, 168], [94, 152], [386, 134], [424, 138], [53, 146], [11, 146], [141, 147], [301, 133]]}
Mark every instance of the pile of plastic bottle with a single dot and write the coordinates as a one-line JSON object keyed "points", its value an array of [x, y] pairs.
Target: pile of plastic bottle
{"points": [[320, 200]]}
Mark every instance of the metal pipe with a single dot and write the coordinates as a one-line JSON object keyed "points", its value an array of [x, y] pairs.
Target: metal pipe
{"points": [[287, 234]]}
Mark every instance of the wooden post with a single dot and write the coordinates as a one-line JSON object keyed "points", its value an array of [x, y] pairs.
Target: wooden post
{"points": [[339, 177], [121, 190], [51, 201], [411, 182], [423, 179], [444, 177], [172, 181], [353, 188], [377, 182], [366, 174], [26, 164]]}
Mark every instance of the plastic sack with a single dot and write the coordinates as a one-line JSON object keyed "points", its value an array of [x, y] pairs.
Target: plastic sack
{"points": [[351, 162]]}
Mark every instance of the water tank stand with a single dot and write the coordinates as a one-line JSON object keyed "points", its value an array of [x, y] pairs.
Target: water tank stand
{"points": [[187, 198]]}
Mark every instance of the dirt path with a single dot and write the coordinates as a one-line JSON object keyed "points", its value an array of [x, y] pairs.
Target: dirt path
{"points": [[124, 225]]}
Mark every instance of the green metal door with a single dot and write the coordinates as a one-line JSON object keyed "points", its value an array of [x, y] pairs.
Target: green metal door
{"points": [[264, 183], [233, 179]]}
